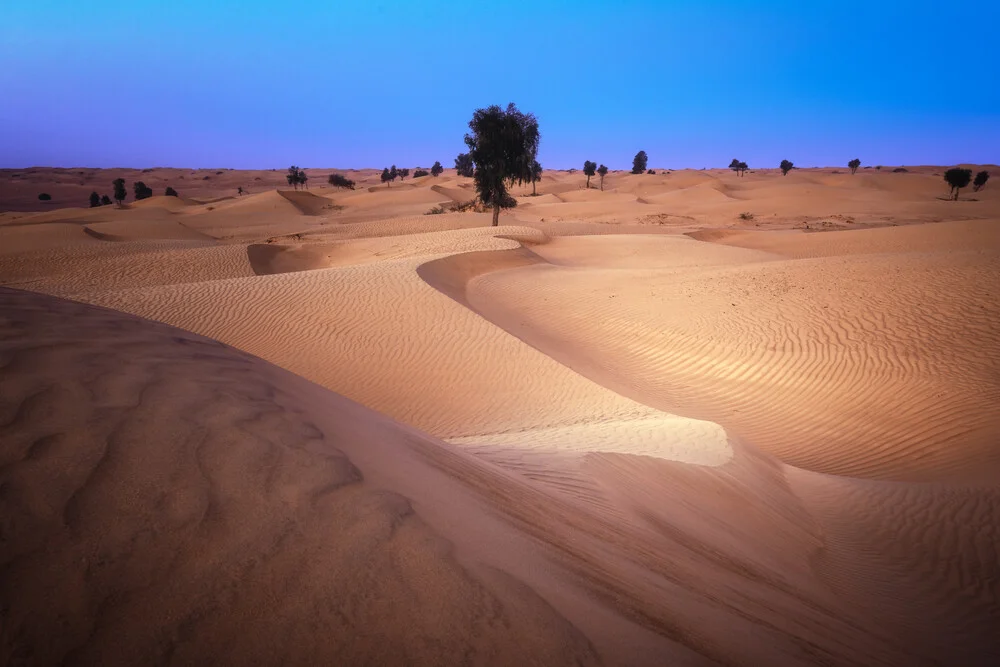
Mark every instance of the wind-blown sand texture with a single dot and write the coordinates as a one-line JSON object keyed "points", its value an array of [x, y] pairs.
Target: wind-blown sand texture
{"points": [[624, 427]]}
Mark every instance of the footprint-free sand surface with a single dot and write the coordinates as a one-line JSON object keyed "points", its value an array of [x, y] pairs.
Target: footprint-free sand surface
{"points": [[625, 427]]}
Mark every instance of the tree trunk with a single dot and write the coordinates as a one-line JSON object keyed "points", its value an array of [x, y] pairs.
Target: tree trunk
{"points": [[602, 184], [533, 193], [588, 182], [496, 215]]}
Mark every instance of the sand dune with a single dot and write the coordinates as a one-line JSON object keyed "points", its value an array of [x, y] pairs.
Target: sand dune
{"points": [[631, 427]]}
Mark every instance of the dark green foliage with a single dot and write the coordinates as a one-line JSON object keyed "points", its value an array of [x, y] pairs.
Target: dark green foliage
{"points": [[602, 171], [536, 175], [142, 191], [980, 181], [854, 164], [403, 173], [651, 171], [786, 166], [120, 192], [589, 169], [738, 166], [170, 192], [95, 200], [340, 181], [464, 165], [105, 200], [639, 162], [421, 172], [393, 173], [957, 179], [437, 169], [45, 196], [385, 177], [296, 177], [503, 144]]}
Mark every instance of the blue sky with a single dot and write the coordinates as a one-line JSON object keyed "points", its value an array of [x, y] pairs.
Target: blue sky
{"points": [[365, 83]]}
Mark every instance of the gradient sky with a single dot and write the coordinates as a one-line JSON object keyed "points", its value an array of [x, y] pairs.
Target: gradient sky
{"points": [[366, 83]]}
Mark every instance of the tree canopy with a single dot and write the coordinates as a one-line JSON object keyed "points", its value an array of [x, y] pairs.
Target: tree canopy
{"points": [[385, 177], [403, 173], [120, 192], [141, 190], [105, 200], [786, 166], [296, 177], [170, 192], [854, 164], [420, 172], [437, 169], [639, 162], [738, 166], [589, 169], [536, 175], [340, 181], [957, 178], [602, 172], [95, 200], [464, 165], [980, 181], [44, 196], [503, 144]]}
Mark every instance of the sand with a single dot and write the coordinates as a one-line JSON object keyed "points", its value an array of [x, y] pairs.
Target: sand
{"points": [[624, 427]]}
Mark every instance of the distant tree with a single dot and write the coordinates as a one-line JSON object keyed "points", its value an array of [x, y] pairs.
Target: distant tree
{"points": [[878, 168], [403, 173], [142, 191], [503, 144], [854, 164], [735, 166], [464, 165], [639, 162], [120, 192], [340, 181], [589, 169], [421, 172], [602, 172], [293, 177], [957, 178], [536, 175], [386, 178], [980, 181], [437, 169], [393, 173], [650, 171], [95, 200], [786, 166], [302, 178], [239, 191], [105, 200], [45, 196], [170, 192]]}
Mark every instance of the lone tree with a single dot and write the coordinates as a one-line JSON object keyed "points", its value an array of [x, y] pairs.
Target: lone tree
{"points": [[980, 181], [170, 192], [957, 178], [503, 144], [536, 175], [95, 200], [296, 177], [45, 196], [120, 192], [142, 191], [403, 173], [854, 164], [385, 177], [639, 162], [105, 200], [437, 169], [340, 181], [786, 166], [602, 171], [464, 165], [589, 169]]}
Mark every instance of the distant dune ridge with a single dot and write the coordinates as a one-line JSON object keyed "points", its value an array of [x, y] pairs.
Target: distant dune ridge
{"points": [[625, 427]]}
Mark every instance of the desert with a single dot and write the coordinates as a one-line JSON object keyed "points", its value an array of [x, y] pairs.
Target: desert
{"points": [[696, 417]]}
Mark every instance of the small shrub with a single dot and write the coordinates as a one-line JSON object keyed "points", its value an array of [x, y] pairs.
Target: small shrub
{"points": [[746, 215], [45, 196], [142, 191], [437, 210], [95, 200], [205, 178], [436, 169], [421, 172], [147, 170], [105, 200], [900, 170], [338, 181], [878, 168], [219, 172], [170, 192], [651, 171]]}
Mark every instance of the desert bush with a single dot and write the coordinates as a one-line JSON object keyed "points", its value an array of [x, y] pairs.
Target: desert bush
{"points": [[957, 179], [421, 172], [900, 170], [45, 196], [147, 170], [340, 181], [878, 168], [437, 210], [980, 181], [651, 171], [639, 162], [746, 215], [170, 192], [105, 200], [141, 190], [205, 178], [437, 169], [218, 173], [589, 169], [95, 200]]}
